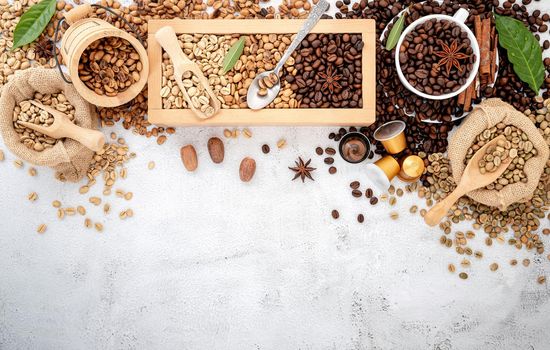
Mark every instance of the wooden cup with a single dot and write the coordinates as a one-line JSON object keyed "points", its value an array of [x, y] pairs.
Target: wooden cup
{"points": [[83, 32]]}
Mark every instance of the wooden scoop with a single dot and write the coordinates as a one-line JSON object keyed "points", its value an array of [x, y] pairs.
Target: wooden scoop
{"points": [[166, 37], [472, 179], [63, 127]]}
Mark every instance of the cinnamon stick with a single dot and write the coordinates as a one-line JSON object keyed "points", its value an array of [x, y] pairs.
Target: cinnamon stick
{"points": [[468, 97], [485, 47]]}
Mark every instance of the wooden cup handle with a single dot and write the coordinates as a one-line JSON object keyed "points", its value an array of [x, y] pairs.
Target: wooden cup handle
{"points": [[78, 13], [438, 211], [92, 139]]}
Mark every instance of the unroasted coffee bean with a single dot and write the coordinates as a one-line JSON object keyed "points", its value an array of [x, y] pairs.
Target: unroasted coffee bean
{"points": [[356, 193], [335, 214], [354, 185], [265, 149], [329, 160]]}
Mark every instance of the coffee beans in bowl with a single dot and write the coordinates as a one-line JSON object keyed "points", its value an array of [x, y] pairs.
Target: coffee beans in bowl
{"points": [[437, 58], [110, 66]]}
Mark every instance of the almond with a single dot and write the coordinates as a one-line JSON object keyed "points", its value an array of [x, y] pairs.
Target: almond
{"points": [[216, 149], [247, 169], [189, 157]]}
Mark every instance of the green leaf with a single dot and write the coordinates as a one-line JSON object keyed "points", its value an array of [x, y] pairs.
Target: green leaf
{"points": [[233, 55], [523, 50], [396, 31], [33, 22]]}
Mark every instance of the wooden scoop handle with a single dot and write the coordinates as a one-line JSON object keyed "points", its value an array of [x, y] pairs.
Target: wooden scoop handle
{"points": [[166, 37], [92, 139], [438, 211]]}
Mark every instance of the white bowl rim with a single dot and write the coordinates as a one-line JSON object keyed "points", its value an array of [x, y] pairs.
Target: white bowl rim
{"points": [[474, 46]]}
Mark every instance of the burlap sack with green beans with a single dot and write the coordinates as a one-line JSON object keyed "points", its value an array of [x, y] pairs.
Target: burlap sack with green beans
{"points": [[68, 158], [486, 115]]}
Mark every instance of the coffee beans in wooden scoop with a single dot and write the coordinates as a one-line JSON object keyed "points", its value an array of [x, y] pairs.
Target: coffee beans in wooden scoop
{"points": [[109, 65], [436, 57]]}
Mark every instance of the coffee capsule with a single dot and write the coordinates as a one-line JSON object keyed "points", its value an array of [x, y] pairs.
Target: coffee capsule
{"points": [[382, 172], [412, 168], [354, 147], [392, 136]]}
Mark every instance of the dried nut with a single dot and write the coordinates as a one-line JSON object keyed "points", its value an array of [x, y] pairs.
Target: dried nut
{"points": [[216, 149], [189, 157], [42, 228], [247, 169]]}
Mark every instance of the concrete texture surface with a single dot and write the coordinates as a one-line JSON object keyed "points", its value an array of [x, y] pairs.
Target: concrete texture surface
{"points": [[209, 262]]}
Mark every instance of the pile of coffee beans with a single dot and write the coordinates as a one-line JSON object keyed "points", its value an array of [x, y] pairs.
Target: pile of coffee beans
{"points": [[395, 102], [328, 71], [436, 57]]}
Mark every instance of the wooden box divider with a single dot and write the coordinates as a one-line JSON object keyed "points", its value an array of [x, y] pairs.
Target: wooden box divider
{"points": [[247, 117]]}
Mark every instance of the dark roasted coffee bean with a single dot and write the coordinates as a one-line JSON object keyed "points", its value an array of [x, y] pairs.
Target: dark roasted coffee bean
{"points": [[335, 214], [354, 185], [319, 151], [329, 160], [373, 200], [369, 193], [356, 193], [330, 151], [360, 218], [332, 170], [265, 149]]}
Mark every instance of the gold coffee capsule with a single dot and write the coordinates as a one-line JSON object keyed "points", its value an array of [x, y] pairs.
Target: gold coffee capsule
{"points": [[392, 136], [389, 166], [412, 167]]}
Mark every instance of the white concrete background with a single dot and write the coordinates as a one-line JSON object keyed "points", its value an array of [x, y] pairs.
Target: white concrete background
{"points": [[209, 262]]}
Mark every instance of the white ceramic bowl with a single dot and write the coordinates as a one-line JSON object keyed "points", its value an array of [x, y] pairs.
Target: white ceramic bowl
{"points": [[459, 18]]}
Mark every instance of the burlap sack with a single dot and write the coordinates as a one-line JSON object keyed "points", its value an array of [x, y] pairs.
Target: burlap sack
{"points": [[69, 158], [484, 116]]}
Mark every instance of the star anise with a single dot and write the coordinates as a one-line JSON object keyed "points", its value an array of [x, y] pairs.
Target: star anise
{"points": [[302, 169], [330, 80], [451, 55], [43, 48]]}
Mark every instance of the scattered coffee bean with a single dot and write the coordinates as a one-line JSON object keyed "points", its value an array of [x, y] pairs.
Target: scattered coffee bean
{"points": [[330, 151], [319, 151], [354, 185], [360, 218], [332, 170], [265, 149], [463, 275], [369, 193], [373, 201], [335, 214], [356, 193], [493, 267], [329, 160]]}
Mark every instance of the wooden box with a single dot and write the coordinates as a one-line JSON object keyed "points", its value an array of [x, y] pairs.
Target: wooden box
{"points": [[292, 116]]}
